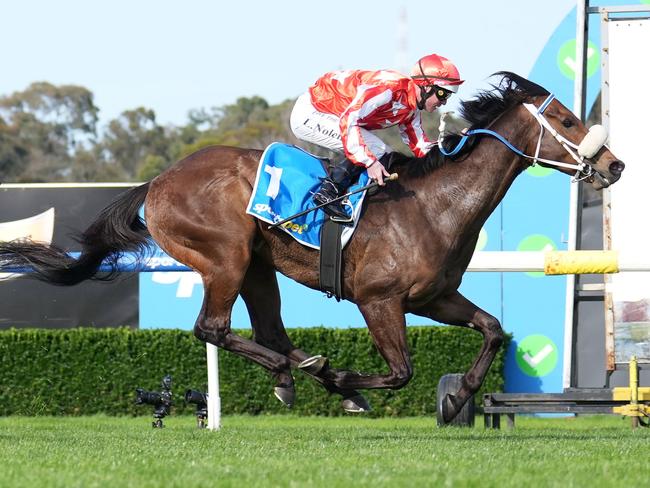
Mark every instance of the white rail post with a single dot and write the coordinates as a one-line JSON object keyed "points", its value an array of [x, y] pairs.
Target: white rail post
{"points": [[214, 400]]}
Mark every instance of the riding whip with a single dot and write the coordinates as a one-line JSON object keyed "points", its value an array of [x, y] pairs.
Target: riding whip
{"points": [[392, 177]]}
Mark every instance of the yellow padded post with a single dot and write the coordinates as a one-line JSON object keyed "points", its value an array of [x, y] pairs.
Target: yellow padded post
{"points": [[580, 262]]}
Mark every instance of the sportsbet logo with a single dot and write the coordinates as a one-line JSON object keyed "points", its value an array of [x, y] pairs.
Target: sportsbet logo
{"points": [[299, 229], [290, 226]]}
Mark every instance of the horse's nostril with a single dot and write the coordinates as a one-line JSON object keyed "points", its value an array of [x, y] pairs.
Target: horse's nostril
{"points": [[617, 167]]}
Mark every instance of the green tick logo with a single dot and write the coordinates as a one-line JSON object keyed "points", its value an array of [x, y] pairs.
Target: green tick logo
{"points": [[566, 59], [536, 355]]}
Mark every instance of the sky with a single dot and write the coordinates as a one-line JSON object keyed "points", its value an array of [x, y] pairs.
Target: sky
{"points": [[173, 56]]}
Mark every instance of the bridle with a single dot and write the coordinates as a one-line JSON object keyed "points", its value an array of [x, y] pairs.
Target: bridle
{"points": [[593, 141]]}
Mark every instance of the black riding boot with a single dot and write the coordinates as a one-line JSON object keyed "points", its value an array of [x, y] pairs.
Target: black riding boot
{"points": [[340, 178]]}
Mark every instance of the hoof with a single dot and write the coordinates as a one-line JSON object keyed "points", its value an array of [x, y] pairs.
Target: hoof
{"points": [[286, 394], [314, 364], [356, 404], [449, 410]]}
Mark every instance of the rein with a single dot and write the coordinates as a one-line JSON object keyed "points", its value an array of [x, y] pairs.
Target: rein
{"points": [[583, 169]]}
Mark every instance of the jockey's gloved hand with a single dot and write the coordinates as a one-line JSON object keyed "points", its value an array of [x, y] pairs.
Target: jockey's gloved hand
{"points": [[376, 171]]}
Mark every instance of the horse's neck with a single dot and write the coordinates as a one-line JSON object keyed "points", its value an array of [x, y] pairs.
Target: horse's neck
{"points": [[469, 190]]}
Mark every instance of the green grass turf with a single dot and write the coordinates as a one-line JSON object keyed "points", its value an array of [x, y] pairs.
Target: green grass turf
{"points": [[313, 451]]}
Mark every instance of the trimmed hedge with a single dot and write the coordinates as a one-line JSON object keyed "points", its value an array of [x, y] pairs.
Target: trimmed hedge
{"points": [[87, 371]]}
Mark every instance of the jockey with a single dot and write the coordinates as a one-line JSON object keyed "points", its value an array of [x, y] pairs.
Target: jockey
{"points": [[342, 107]]}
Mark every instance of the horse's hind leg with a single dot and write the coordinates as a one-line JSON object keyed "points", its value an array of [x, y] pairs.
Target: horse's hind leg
{"points": [[221, 286], [261, 295], [213, 326], [455, 309], [195, 213]]}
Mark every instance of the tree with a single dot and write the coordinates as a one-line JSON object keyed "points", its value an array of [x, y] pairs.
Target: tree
{"points": [[249, 122], [68, 109], [13, 152], [130, 139], [152, 167], [243, 112], [43, 127]]}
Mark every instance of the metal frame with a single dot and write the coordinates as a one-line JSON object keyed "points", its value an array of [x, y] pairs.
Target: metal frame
{"points": [[630, 401], [610, 364], [605, 17], [573, 296], [572, 400]]}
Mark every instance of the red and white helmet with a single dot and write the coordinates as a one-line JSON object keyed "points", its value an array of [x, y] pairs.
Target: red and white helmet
{"points": [[436, 70]]}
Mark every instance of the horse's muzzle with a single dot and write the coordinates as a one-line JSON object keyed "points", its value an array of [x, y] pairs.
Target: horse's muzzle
{"points": [[616, 168]]}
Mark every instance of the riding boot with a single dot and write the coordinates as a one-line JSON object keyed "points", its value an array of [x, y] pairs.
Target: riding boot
{"points": [[334, 185]]}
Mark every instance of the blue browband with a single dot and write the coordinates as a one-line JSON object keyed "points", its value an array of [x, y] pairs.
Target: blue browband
{"points": [[489, 132]]}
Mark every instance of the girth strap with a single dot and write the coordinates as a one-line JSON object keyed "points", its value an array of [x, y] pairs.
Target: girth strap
{"points": [[331, 255]]}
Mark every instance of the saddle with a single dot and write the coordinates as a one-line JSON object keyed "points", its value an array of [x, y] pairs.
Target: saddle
{"points": [[287, 177]]}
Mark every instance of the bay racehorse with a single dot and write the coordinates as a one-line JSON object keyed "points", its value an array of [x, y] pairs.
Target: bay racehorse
{"points": [[408, 254]]}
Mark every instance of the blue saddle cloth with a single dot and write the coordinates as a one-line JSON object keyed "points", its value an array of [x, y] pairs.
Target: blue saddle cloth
{"points": [[287, 177]]}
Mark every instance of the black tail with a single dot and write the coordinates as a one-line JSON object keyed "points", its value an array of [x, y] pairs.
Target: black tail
{"points": [[117, 229]]}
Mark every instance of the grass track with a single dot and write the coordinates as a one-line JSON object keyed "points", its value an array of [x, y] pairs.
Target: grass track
{"points": [[303, 451]]}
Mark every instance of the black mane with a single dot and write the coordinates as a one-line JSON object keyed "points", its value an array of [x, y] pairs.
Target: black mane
{"points": [[480, 112]]}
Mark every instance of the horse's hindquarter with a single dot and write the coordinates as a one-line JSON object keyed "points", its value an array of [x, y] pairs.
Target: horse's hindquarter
{"points": [[197, 207]]}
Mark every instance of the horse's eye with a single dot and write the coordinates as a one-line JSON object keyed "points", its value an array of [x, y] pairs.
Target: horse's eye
{"points": [[567, 123]]}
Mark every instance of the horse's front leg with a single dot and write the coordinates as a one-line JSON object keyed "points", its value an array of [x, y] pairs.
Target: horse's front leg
{"points": [[455, 309], [387, 326]]}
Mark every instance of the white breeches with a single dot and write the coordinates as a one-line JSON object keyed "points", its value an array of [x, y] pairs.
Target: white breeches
{"points": [[308, 124]]}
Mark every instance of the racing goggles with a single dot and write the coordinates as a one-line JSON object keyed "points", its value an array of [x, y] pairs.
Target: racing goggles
{"points": [[441, 93]]}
